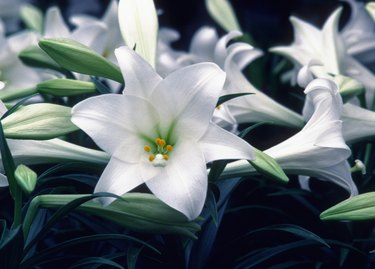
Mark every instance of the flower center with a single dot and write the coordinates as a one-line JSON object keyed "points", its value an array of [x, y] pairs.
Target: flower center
{"points": [[158, 153]]}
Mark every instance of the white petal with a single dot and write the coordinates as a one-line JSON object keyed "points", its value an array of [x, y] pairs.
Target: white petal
{"points": [[187, 97], [140, 77], [183, 183], [113, 123], [55, 25], [118, 178], [203, 43], [219, 144], [222, 12], [139, 26], [91, 35], [358, 123], [333, 47], [221, 47]]}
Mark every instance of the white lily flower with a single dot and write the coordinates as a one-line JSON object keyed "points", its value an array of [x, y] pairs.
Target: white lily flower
{"points": [[358, 123], [168, 142], [358, 33], [257, 107], [10, 66], [319, 149], [328, 47], [112, 36]]}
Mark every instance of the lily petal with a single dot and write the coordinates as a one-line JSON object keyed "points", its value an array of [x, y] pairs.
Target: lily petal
{"points": [[219, 144], [183, 183], [140, 77], [118, 177], [55, 25], [111, 122], [192, 93]]}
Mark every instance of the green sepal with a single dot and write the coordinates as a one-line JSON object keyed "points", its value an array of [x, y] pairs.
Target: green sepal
{"points": [[26, 178], [35, 57], [77, 57], [360, 207], [268, 167], [38, 121], [349, 87], [32, 17], [65, 87]]}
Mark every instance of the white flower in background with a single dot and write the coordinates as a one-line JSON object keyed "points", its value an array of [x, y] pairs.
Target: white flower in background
{"points": [[9, 14], [112, 36], [328, 47], [319, 149], [159, 132], [358, 123], [358, 33], [10, 66], [257, 107], [90, 34]]}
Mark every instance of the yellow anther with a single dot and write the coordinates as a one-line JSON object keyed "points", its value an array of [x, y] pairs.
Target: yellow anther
{"points": [[169, 148], [165, 157], [151, 157], [147, 148], [160, 142]]}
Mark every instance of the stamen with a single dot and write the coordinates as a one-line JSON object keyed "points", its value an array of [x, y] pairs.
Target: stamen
{"points": [[147, 148], [160, 142], [151, 157], [169, 148], [165, 157]]}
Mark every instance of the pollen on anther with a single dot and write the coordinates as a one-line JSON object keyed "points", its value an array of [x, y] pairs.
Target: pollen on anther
{"points": [[169, 148], [165, 157], [151, 157], [160, 142], [147, 148]]}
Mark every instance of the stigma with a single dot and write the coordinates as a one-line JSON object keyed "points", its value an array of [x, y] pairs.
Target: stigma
{"points": [[158, 154]]}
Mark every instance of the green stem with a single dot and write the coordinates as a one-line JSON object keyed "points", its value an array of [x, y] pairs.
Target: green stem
{"points": [[9, 95]]}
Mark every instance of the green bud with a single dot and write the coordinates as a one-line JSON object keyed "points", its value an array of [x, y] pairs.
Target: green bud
{"points": [[35, 57], [348, 87], [222, 12], [38, 121], [268, 167], [360, 207], [32, 17], [140, 212], [26, 178], [65, 87], [77, 57]]}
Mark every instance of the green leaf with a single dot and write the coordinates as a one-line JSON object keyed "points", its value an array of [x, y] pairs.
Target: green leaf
{"points": [[32, 17], [360, 207], [222, 12], [38, 121], [26, 178], [65, 87], [293, 229], [77, 57], [96, 260], [228, 97], [36, 259], [268, 167]]}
